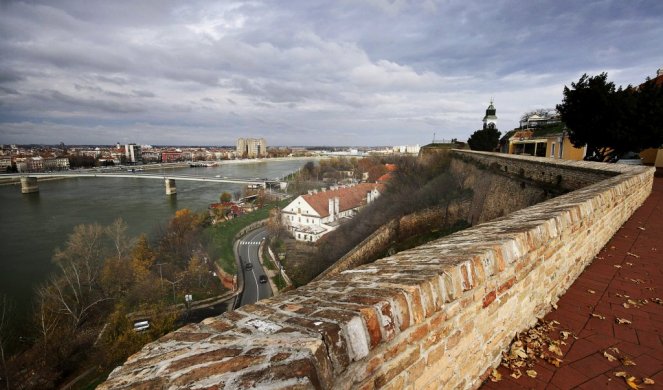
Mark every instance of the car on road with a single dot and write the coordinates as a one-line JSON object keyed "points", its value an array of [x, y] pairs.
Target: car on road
{"points": [[262, 279], [248, 266]]}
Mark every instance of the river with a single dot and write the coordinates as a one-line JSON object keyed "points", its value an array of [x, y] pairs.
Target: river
{"points": [[34, 225]]}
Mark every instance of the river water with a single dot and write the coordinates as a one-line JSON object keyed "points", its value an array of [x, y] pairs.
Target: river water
{"points": [[33, 225]]}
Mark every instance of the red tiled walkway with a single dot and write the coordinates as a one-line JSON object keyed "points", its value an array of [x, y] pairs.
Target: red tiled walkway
{"points": [[630, 267]]}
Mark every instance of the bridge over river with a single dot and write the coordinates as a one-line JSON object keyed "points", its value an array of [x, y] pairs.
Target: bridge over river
{"points": [[30, 183]]}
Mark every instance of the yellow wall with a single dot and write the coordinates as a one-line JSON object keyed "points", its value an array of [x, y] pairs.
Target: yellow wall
{"points": [[571, 152], [651, 155]]}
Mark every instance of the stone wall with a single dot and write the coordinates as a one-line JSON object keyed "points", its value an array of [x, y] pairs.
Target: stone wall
{"points": [[436, 316], [487, 203]]}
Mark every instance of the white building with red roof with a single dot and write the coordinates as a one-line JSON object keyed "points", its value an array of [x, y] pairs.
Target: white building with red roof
{"points": [[311, 216]]}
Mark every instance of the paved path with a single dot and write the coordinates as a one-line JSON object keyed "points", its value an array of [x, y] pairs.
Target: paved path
{"points": [[631, 264]]}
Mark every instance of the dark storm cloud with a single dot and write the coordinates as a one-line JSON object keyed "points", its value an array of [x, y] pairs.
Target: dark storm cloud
{"points": [[303, 72]]}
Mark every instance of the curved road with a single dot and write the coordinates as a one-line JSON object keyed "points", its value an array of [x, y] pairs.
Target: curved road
{"points": [[247, 248]]}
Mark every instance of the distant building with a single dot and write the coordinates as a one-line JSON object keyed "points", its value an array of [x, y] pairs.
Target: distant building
{"points": [[541, 135], [133, 153], [311, 216], [171, 156], [251, 147], [5, 163], [39, 164], [490, 119]]}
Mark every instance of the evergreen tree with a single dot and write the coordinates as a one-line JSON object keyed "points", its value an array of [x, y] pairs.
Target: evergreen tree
{"points": [[485, 139], [611, 121]]}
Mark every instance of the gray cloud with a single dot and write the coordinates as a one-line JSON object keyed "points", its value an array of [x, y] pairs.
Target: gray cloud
{"points": [[347, 72]]}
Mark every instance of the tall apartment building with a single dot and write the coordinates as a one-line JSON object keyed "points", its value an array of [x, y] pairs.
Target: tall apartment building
{"points": [[251, 147], [133, 153]]}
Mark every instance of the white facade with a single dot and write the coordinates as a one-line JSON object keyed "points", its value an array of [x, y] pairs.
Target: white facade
{"points": [[311, 216]]}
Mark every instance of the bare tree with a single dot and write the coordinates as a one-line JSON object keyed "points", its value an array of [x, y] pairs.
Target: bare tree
{"points": [[46, 317], [117, 232], [85, 251]]}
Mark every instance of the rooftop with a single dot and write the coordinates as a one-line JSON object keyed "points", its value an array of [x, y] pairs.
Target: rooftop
{"points": [[349, 198]]}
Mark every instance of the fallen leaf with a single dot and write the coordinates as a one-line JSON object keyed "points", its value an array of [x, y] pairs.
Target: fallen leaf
{"points": [[627, 263], [630, 381], [555, 361], [495, 376], [648, 381], [614, 349], [531, 373], [591, 291], [600, 317], [609, 356], [641, 228], [622, 321], [627, 361], [617, 266], [621, 374], [516, 374], [554, 305], [658, 300], [633, 254], [555, 349], [565, 334], [626, 305]]}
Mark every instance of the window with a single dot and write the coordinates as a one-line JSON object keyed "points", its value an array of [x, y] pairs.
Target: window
{"points": [[552, 151]]}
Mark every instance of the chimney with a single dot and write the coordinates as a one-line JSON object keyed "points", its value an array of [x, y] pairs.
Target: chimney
{"points": [[659, 72], [310, 192], [331, 210], [315, 190], [337, 204], [369, 199]]}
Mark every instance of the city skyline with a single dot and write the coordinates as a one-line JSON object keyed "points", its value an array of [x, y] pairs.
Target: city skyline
{"points": [[350, 73]]}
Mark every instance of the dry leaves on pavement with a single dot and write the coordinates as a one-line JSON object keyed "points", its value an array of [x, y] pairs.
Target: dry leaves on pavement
{"points": [[534, 344]]}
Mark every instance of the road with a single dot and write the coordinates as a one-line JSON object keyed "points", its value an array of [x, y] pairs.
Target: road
{"points": [[248, 251]]}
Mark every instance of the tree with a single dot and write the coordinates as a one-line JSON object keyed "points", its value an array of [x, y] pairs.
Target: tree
{"points": [[142, 259], [611, 121], [485, 139], [225, 197]]}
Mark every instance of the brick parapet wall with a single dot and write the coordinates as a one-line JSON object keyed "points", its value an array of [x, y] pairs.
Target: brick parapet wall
{"points": [[568, 175], [436, 316]]}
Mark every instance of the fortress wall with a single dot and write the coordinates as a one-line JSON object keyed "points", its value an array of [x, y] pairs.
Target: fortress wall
{"points": [[435, 316]]}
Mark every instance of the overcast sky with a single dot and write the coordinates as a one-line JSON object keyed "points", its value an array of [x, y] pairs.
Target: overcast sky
{"points": [[371, 72]]}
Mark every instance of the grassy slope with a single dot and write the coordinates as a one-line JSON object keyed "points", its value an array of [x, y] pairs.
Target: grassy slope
{"points": [[220, 237]]}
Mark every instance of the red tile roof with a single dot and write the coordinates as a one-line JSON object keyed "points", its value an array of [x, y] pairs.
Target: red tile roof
{"points": [[385, 178], [349, 197]]}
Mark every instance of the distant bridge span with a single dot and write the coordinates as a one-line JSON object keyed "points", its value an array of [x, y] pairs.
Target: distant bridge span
{"points": [[29, 180]]}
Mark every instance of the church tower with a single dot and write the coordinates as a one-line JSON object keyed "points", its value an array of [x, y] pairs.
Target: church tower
{"points": [[490, 120]]}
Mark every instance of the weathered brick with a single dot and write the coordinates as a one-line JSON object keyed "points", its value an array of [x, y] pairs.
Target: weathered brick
{"points": [[396, 366], [506, 285], [489, 298]]}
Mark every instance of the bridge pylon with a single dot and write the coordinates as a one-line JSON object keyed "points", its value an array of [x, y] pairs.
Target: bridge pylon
{"points": [[171, 188], [29, 185]]}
